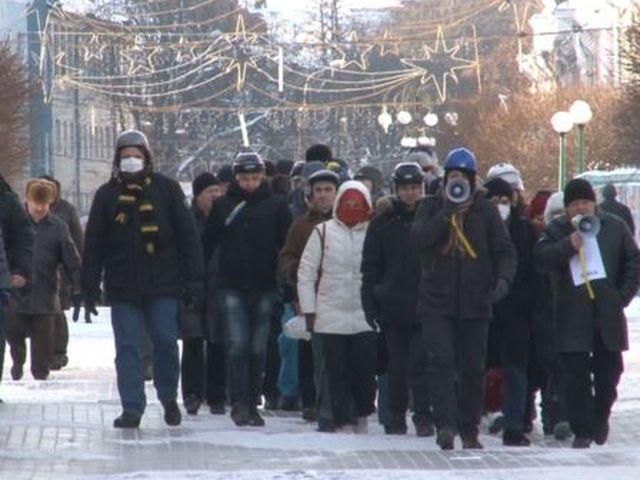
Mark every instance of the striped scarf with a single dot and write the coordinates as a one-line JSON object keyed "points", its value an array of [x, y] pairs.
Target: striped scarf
{"points": [[135, 196]]}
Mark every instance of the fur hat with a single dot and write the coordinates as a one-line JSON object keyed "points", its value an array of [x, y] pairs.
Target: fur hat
{"points": [[578, 189], [41, 191]]}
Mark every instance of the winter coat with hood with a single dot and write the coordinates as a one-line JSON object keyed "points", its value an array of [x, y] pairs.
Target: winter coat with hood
{"points": [[335, 300], [249, 237], [53, 248], [16, 231], [117, 249], [578, 318], [454, 285], [391, 268]]}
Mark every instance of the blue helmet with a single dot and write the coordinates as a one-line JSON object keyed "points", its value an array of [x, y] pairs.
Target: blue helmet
{"points": [[461, 159]]}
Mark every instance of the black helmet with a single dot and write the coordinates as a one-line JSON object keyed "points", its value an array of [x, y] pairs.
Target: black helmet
{"points": [[324, 176], [407, 173], [132, 138], [249, 162]]}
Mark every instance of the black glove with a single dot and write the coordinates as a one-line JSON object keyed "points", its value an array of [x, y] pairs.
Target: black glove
{"points": [[76, 300], [89, 309], [194, 297], [500, 291], [5, 295]]}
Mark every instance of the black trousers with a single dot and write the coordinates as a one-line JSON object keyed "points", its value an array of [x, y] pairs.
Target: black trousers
{"points": [[591, 381], [60, 334], [407, 370], [305, 374], [208, 384], [272, 367], [350, 362], [456, 354]]}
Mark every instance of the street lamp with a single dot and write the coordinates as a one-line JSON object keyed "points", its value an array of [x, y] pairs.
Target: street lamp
{"points": [[581, 114], [562, 123]]}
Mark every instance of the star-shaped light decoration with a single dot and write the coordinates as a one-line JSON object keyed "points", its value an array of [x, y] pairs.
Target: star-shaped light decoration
{"points": [[94, 48], [134, 64], [439, 65], [239, 51], [388, 45], [353, 54]]}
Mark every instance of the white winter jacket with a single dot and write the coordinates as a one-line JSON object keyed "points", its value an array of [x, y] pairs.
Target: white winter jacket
{"points": [[337, 305]]}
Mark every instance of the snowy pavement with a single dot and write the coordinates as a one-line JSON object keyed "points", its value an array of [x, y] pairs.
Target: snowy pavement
{"points": [[61, 428]]}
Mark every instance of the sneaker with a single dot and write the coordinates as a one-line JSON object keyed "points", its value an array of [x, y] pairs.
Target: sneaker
{"points": [[217, 409], [514, 438], [240, 415], [172, 415], [17, 372], [445, 439], [362, 425], [309, 414], [192, 404], [127, 420], [582, 442], [289, 404], [396, 429], [497, 425], [562, 431], [601, 432], [255, 420], [470, 441], [424, 426]]}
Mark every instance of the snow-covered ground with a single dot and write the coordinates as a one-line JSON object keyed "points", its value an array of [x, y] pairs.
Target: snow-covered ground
{"points": [[61, 428]]}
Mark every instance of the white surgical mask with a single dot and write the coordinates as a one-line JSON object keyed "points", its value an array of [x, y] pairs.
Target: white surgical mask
{"points": [[131, 165], [505, 211]]}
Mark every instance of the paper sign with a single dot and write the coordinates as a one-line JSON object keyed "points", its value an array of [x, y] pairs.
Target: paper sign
{"points": [[593, 266]]}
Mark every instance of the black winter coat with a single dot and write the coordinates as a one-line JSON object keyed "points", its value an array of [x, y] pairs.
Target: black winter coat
{"points": [[130, 274], [53, 248], [455, 285], [620, 210], [250, 240], [391, 269], [512, 317], [578, 318], [17, 232]]}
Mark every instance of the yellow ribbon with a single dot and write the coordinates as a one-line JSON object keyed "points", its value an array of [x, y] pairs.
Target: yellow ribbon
{"points": [[585, 273], [465, 243]]}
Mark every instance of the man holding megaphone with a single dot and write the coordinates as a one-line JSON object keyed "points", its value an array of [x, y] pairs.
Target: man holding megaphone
{"points": [[468, 263], [596, 265]]}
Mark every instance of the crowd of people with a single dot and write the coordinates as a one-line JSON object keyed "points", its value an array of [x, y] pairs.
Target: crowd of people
{"points": [[304, 287]]}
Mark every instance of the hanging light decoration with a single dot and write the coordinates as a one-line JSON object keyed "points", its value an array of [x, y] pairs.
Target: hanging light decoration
{"points": [[385, 119], [404, 117], [408, 142], [431, 119]]}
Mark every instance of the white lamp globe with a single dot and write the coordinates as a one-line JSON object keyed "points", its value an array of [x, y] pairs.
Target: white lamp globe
{"points": [[431, 119], [562, 122], [404, 117], [409, 142], [385, 119], [581, 112]]}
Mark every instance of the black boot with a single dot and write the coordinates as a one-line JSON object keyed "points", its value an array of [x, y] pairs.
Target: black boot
{"points": [[395, 429], [289, 404], [255, 420], [514, 438], [424, 425], [217, 409], [172, 415], [127, 420], [240, 415], [309, 414], [470, 441], [582, 442], [445, 439], [601, 432], [326, 426], [192, 404]]}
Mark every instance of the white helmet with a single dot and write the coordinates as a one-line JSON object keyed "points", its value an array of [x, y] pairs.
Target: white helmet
{"points": [[508, 173]]}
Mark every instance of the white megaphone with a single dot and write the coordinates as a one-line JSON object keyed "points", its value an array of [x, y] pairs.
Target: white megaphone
{"points": [[586, 225], [457, 190]]}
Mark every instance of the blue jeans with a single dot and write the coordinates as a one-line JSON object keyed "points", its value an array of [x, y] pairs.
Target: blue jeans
{"points": [[288, 347], [248, 320], [514, 397], [160, 316]]}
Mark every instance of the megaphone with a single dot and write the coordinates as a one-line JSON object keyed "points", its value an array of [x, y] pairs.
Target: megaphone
{"points": [[457, 190], [586, 225]]}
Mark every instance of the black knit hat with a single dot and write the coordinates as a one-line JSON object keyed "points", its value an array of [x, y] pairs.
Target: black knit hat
{"points": [[202, 182], [578, 189], [318, 152], [497, 187]]}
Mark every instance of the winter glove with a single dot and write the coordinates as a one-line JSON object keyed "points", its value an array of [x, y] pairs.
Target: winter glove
{"points": [[5, 295], [76, 300], [500, 291], [89, 309]]}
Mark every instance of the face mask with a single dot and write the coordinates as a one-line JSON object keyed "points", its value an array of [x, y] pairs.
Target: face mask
{"points": [[353, 208], [505, 211], [131, 165]]}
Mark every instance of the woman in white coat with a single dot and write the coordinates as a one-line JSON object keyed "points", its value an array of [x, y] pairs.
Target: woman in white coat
{"points": [[329, 282]]}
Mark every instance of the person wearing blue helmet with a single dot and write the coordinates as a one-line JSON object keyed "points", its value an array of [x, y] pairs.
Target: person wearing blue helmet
{"points": [[468, 264]]}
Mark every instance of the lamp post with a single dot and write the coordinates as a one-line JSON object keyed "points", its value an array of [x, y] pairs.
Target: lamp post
{"points": [[581, 114], [562, 123]]}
